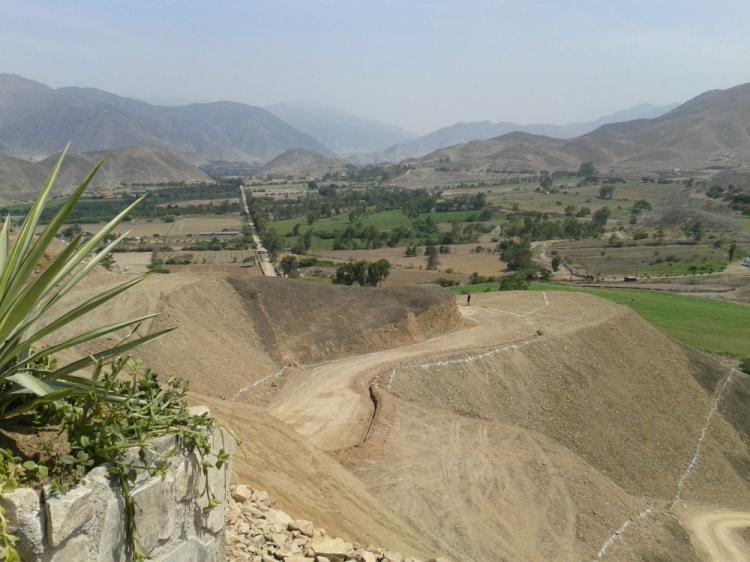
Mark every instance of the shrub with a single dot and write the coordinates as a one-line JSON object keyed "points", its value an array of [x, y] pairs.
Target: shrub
{"points": [[101, 415], [518, 281]]}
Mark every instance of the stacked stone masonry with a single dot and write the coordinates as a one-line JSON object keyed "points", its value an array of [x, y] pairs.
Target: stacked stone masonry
{"points": [[88, 523], [258, 533]]}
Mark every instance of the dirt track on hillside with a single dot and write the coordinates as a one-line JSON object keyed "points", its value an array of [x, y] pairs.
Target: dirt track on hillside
{"points": [[548, 427], [515, 439], [717, 533], [329, 403]]}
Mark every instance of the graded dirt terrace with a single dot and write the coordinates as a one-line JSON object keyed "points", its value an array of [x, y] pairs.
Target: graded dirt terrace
{"points": [[532, 426]]}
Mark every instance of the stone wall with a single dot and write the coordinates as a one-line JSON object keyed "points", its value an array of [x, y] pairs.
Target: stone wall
{"points": [[258, 533], [89, 522]]}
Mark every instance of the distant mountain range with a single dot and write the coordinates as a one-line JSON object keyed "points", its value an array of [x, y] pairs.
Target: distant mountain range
{"points": [[481, 130], [711, 130], [37, 120], [22, 179], [287, 139], [340, 131]]}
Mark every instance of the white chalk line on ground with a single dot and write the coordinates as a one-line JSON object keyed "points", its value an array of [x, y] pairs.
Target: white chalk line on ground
{"points": [[526, 314], [704, 430], [619, 533], [247, 387], [472, 358]]}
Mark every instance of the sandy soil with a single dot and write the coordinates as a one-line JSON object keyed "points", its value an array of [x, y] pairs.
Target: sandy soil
{"points": [[512, 440], [550, 426], [716, 532], [182, 226]]}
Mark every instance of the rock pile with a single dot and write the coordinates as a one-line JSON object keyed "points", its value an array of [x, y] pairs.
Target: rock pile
{"points": [[255, 532]]}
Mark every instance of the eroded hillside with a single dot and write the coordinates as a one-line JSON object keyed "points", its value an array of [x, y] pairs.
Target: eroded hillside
{"points": [[529, 426]]}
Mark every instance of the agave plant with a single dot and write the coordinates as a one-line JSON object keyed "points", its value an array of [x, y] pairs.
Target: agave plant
{"points": [[28, 293]]}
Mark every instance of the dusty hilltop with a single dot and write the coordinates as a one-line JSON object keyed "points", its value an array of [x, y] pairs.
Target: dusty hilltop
{"points": [[528, 426]]}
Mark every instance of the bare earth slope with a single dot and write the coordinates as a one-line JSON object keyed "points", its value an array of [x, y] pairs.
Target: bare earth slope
{"points": [[302, 163], [521, 446], [539, 427], [22, 179], [303, 322]]}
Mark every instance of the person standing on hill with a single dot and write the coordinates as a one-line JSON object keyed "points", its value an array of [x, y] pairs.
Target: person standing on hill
{"points": [[468, 299]]}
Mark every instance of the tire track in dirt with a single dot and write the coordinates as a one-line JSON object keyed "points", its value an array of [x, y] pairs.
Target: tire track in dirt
{"points": [[716, 533]]}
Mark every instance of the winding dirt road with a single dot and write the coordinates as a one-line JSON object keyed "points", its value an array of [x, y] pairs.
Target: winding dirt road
{"points": [[716, 532], [330, 403]]}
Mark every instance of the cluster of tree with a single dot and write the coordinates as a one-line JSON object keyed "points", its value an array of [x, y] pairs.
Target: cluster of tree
{"points": [[289, 266], [424, 231], [737, 198], [588, 172], [268, 236], [516, 254], [694, 231], [370, 172], [326, 201], [363, 273], [538, 226], [475, 202], [431, 257], [606, 191], [158, 203]]}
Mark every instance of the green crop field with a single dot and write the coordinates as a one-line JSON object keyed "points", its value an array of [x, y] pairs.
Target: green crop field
{"points": [[460, 216], [710, 325], [385, 220]]}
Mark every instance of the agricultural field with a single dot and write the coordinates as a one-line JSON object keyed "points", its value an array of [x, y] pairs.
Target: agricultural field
{"points": [[624, 196], [182, 227], [209, 257], [133, 262], [603, 260], [279, 190], [462, 260], [667, 230]]}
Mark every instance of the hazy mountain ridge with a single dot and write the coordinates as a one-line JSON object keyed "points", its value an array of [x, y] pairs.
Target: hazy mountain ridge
{"points": [[339, 130], [482, 130], [38, 120], [712, 129], [22, 179]]}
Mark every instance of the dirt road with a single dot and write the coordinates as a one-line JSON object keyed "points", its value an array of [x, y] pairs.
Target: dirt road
{"points": [[716, 532], [329, 403], [265, 263]]}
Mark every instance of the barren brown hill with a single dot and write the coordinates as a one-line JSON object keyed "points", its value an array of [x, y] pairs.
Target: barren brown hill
{"points": [[546, 427], [710, 130], [300, 162], [21, 179], [126, 166], [321, 322]]}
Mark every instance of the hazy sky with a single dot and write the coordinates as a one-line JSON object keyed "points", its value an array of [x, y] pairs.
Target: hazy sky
{"points": [[415, 63]]}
